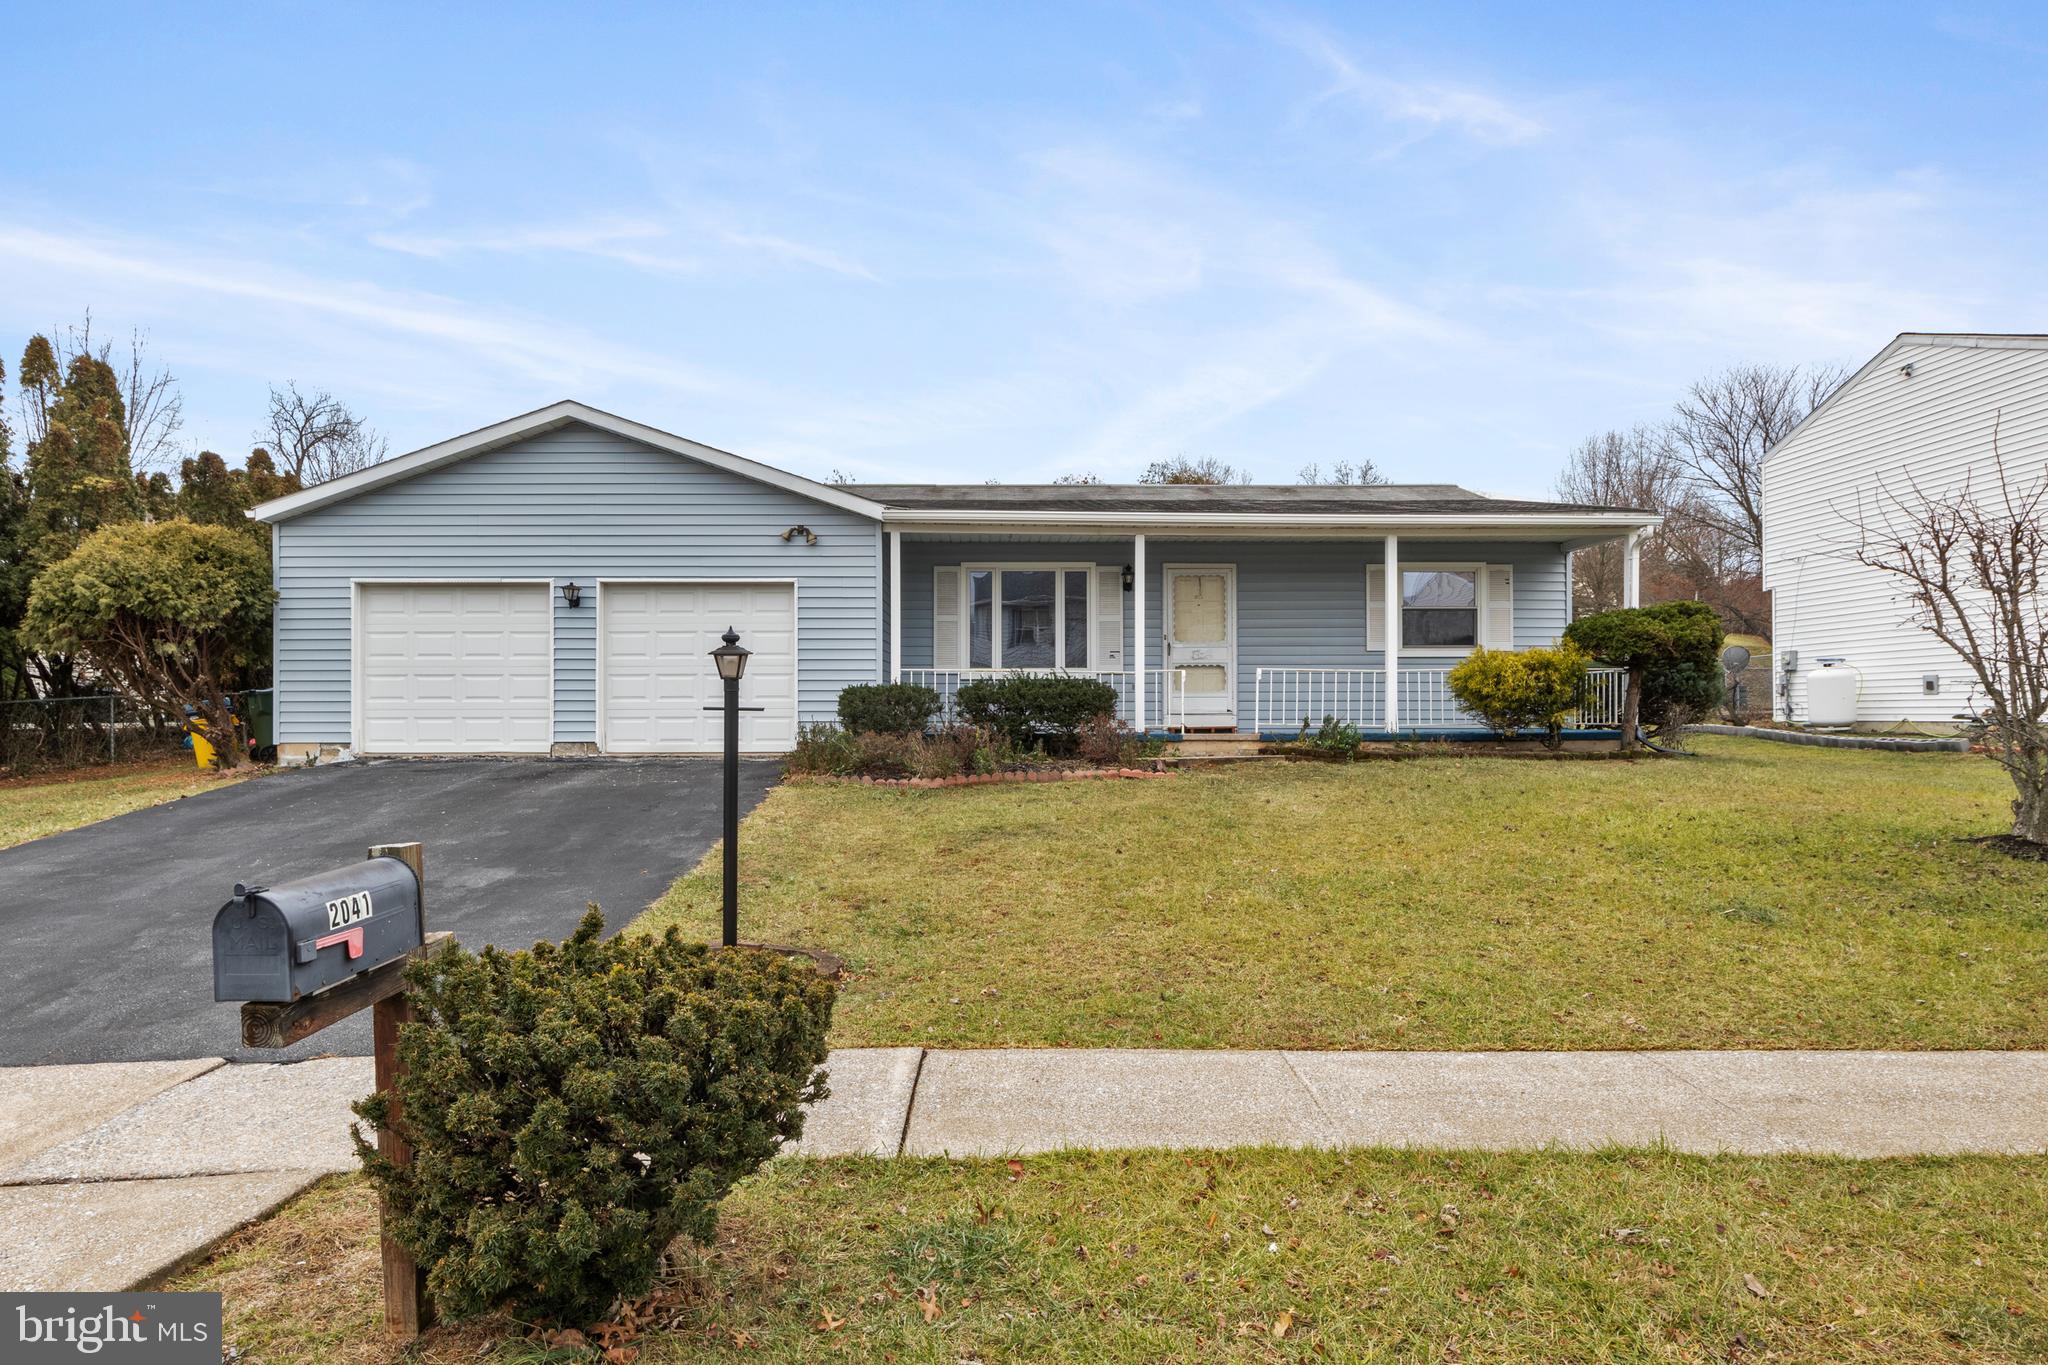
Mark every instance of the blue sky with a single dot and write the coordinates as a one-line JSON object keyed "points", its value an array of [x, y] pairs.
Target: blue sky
{"points": [[971, 242]]}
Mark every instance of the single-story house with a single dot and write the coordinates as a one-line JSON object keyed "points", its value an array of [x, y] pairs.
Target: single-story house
{"points": [[552, 584], [1920, 415]]}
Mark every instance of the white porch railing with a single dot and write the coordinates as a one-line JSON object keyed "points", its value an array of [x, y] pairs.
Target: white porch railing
{"points": [[1166, 691], [1282, 698]]}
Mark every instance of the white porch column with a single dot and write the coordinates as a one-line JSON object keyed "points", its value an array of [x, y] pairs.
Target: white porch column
{"points": [[1391, 646], [895, 606], [1138, 637], [1632, 570]]}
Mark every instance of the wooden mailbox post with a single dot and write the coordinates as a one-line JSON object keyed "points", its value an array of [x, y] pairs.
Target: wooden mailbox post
{"points": [[407, 1310]]}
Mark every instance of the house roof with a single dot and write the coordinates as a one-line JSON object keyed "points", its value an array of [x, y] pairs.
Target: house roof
{"points": [[2003, 341], [532, 424], [1383, 500], [984, 504]]}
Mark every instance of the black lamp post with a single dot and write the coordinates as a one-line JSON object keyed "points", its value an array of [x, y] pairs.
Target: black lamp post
{"points": [[732, 664]]}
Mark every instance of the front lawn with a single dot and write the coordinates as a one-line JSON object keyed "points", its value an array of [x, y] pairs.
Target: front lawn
{"points": [[1762, 895], [32, 807], [1265, 1255]]}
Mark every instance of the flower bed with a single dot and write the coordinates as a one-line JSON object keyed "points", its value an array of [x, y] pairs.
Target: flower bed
{"points": [[988, 779]]}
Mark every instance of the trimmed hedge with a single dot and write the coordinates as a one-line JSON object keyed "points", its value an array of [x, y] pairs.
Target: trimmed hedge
{"points": [[887, 708], [1031, 708], [574, 1109]]}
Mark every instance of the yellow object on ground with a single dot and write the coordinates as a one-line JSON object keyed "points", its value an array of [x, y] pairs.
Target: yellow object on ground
{"points": [[202, 750]]}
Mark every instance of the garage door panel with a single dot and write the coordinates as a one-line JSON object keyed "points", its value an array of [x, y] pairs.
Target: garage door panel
{"points": [[654, 644], [455, 668]]}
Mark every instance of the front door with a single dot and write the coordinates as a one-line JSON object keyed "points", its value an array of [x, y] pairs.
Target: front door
{"points": [[1201, 645]]}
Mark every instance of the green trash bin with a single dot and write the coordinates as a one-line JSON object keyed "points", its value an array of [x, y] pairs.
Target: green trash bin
{"points": [[256, 715]]}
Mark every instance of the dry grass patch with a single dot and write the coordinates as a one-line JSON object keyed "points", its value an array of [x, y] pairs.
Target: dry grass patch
{"points": [[1762, 895], [1271, 1255], [33, 807]]}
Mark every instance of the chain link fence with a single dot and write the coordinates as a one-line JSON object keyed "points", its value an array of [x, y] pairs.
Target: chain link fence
{"points": [[45, 733]]}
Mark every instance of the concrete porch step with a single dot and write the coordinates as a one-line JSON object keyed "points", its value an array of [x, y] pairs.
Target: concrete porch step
{"points": [[1215, 745]]}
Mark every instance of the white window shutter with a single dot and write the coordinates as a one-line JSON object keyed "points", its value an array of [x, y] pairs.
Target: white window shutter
{"points": [[946, 616], [1108, 652], [1498, 630], [1375, 606]]}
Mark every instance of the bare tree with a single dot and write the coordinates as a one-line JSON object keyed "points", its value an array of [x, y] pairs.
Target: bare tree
{"points": [[1972, 566], [316, 437], [1187, 469], [1078, 479], [1364, 473], [1633, 468], [153, 408], [1721, 430]]}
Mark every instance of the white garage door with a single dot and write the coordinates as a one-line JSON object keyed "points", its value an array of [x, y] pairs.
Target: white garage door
{"points": [[655, 646], [454, 668]]}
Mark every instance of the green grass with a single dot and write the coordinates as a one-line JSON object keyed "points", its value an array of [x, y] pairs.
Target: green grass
{"points": [[1761, 895], [1268, 1255], [31, 808]]}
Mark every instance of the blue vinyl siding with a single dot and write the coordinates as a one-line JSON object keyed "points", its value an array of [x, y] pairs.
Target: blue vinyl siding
{"points": [[574, 503], [1301, 603]]}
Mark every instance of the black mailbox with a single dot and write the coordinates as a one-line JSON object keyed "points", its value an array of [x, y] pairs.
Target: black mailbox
{"points": [[279, 943]]}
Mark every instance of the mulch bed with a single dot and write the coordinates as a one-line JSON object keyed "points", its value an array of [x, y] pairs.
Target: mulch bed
{"points": [[989, 779]]}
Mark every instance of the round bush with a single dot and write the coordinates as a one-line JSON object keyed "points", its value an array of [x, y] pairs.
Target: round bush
{"points": [[1516, 690], [574, 1109], [1034, 708], [887, 708]]}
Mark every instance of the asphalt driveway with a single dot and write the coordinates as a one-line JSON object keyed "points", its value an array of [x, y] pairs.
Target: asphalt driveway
{"points": [[105, 932]]}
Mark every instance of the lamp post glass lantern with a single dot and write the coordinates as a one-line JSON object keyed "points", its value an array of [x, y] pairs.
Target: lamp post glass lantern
{"points": [[731, 661]]}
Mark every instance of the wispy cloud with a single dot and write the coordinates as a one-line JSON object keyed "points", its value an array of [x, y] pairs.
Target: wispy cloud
{"points": [[1422, 106], [624, 241], [538, 351]]}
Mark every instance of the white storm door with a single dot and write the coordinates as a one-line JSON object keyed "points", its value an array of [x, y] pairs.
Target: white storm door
{"points": [[1201, 640], [455, 668], [657, 677]]}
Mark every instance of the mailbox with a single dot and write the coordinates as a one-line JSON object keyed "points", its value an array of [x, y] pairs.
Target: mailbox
{"points": [[278, 943]]}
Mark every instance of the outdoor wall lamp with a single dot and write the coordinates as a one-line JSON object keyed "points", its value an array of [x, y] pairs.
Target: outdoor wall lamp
{"points": [[1130, 579], [572, 594], [810, 536]]}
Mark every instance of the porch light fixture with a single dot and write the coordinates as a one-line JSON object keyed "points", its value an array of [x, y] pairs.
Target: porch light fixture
{"points": [[810, 536], [730, 657], [572, 594], [1130, 579]]}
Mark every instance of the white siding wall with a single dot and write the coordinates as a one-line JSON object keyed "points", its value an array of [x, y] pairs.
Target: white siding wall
{"points": [[1884, 428], [575, 503]]}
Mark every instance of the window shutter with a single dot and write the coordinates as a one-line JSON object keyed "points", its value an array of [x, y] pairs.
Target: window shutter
{"points": [[946, 616], [1498, 630], [1375, 606], [1108, 653]]}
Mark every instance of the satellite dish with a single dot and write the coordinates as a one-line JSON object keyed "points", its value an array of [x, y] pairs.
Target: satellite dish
{"points": [[1735, 658]]}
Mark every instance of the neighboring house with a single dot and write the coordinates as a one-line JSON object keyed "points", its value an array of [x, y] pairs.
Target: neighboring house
{"points": [[554, 582], [1921, 413]]}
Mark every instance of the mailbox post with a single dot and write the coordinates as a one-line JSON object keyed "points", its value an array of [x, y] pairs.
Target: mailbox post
{"points": [[311, 952]]}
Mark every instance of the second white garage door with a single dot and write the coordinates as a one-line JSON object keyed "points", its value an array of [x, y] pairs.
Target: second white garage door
{"points": [[656, 675]]}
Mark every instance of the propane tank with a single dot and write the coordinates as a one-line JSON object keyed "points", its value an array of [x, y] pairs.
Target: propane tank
{"points": [[1831, 692]]}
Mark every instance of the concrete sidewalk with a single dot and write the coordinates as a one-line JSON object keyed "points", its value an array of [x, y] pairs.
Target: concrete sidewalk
{"points": [[113, 1174]]}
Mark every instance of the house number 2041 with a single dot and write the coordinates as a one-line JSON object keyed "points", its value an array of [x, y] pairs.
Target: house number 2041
{"points": [[348, 910]]}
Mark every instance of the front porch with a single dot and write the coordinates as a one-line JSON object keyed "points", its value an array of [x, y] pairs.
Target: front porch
{"points": [[1243, 635], [1286, 699]]}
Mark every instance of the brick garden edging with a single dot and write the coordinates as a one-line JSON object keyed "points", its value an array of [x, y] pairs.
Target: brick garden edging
{"points": [[1895, 743], [988, 779]]}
